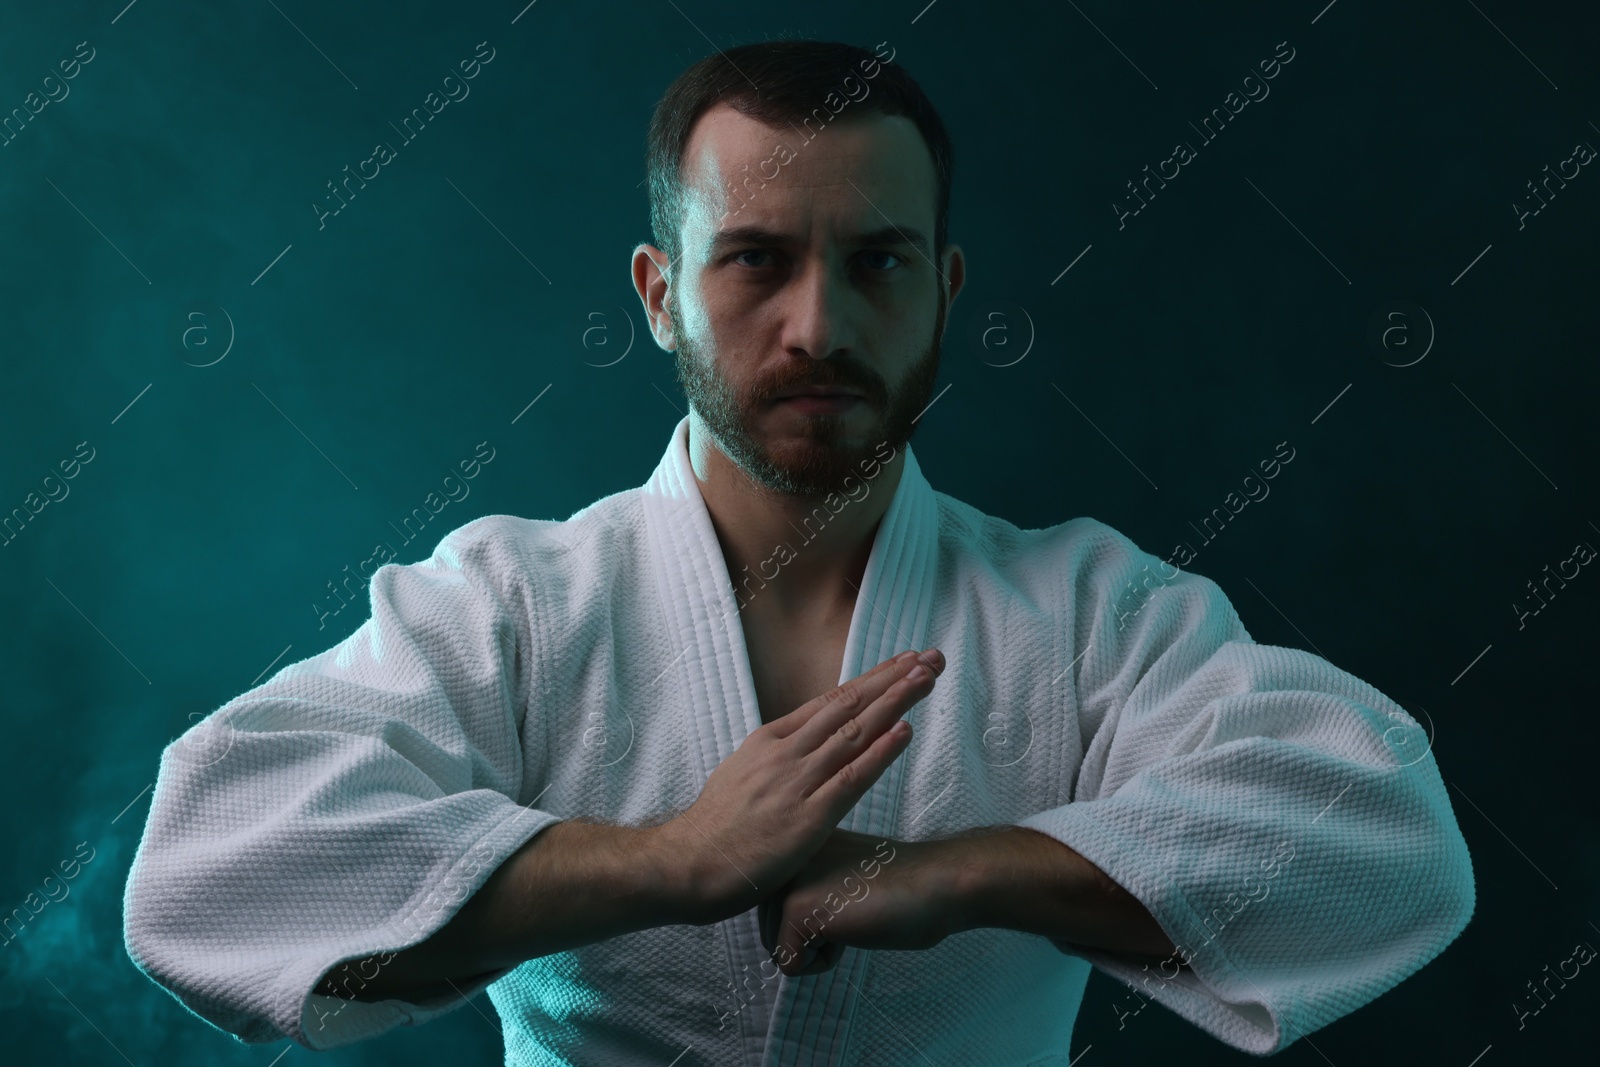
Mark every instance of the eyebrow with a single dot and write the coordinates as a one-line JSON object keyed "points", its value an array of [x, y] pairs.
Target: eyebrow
{"points": [[756, 235]]}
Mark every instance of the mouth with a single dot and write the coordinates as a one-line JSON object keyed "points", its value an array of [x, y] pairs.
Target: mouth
{"points": [[819, 403], [817, 390]]}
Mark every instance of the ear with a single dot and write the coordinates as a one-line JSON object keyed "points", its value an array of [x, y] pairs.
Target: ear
{"points": [[651, 275]]}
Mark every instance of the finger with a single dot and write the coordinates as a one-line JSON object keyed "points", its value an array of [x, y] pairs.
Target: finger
{"points": [[873, 682], [846, 786], [856, 735], [822, 957], [767, 917], [802, 949], [871, 697], [828, 958]]}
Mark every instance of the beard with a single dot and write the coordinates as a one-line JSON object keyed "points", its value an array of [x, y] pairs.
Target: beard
{"points": [[826, 454]]}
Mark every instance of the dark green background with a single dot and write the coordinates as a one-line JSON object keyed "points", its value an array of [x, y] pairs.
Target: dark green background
{"points": [[459, 285]]}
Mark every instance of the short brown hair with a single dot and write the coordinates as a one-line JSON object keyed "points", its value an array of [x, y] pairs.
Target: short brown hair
{"points": [[791, 80]]}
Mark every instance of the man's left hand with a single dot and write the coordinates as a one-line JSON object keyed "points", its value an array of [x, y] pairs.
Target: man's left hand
{"points": [[865, 891]]}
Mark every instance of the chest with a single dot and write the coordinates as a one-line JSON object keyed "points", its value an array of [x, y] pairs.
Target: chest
{"points": [[791, 664]]}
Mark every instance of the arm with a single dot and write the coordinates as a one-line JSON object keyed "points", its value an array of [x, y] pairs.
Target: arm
{"points": [[354, 804], [1282, 820], [348, 806], [770, 804], [1015, 878], [910, 895], [573, 884]]}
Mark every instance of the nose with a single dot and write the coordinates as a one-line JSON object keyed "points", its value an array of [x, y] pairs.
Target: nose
{"points": [[819, 313]]}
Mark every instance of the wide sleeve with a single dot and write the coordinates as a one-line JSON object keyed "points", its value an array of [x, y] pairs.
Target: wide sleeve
{"points": [[347, 807], [1283, 821]]}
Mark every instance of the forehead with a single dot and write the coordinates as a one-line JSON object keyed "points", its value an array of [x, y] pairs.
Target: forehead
{"points": [[851, 174]]}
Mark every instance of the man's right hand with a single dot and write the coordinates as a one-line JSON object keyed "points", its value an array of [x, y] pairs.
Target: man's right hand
{"points": [[768, 808]]}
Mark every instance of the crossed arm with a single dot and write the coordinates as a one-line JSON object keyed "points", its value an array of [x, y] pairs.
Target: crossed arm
{"points": [[576, 882], [885, 894], [587, 881]]}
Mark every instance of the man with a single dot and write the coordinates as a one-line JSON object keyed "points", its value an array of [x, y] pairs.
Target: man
{"points": [[662, 777]]}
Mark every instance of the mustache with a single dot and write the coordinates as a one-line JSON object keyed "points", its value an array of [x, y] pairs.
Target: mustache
{"points": [[826, 377]]}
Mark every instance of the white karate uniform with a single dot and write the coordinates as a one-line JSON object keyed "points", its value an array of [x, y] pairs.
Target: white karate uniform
{"points": [[1281, 819]]}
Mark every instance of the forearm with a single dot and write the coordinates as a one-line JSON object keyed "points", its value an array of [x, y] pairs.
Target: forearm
{"points": [[572, 884], [1015, 878]]}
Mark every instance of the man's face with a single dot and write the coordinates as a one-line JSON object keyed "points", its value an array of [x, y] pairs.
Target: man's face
{"points": [[807, 279]]}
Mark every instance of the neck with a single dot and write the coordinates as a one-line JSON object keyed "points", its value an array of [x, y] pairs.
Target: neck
{"points": [[790, 556]]}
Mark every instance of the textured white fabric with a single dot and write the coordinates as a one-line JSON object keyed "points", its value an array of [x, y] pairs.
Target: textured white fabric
{"points": [[1280, 818]]}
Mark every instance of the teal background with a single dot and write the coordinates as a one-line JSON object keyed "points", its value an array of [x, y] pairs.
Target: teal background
{"points": [[486, 269]]}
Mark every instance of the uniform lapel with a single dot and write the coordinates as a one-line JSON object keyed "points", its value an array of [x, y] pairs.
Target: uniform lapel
{"points": [[809, 1017], [812, 1017], [707, 663]]}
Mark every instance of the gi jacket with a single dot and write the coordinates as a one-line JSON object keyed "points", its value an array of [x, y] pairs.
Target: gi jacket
{"points": [[1283, 821]]}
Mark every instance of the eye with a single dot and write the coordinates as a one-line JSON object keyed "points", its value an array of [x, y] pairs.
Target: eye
{"points": [[897, 261], [749, 252]]}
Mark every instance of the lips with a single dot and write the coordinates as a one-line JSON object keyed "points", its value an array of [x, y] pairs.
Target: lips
{"points": [[820, 404], [818, 391]]}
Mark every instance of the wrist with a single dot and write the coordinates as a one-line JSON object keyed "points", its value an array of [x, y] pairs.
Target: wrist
{"points": [[975, 889], [678, 893], [1009, 877]]}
